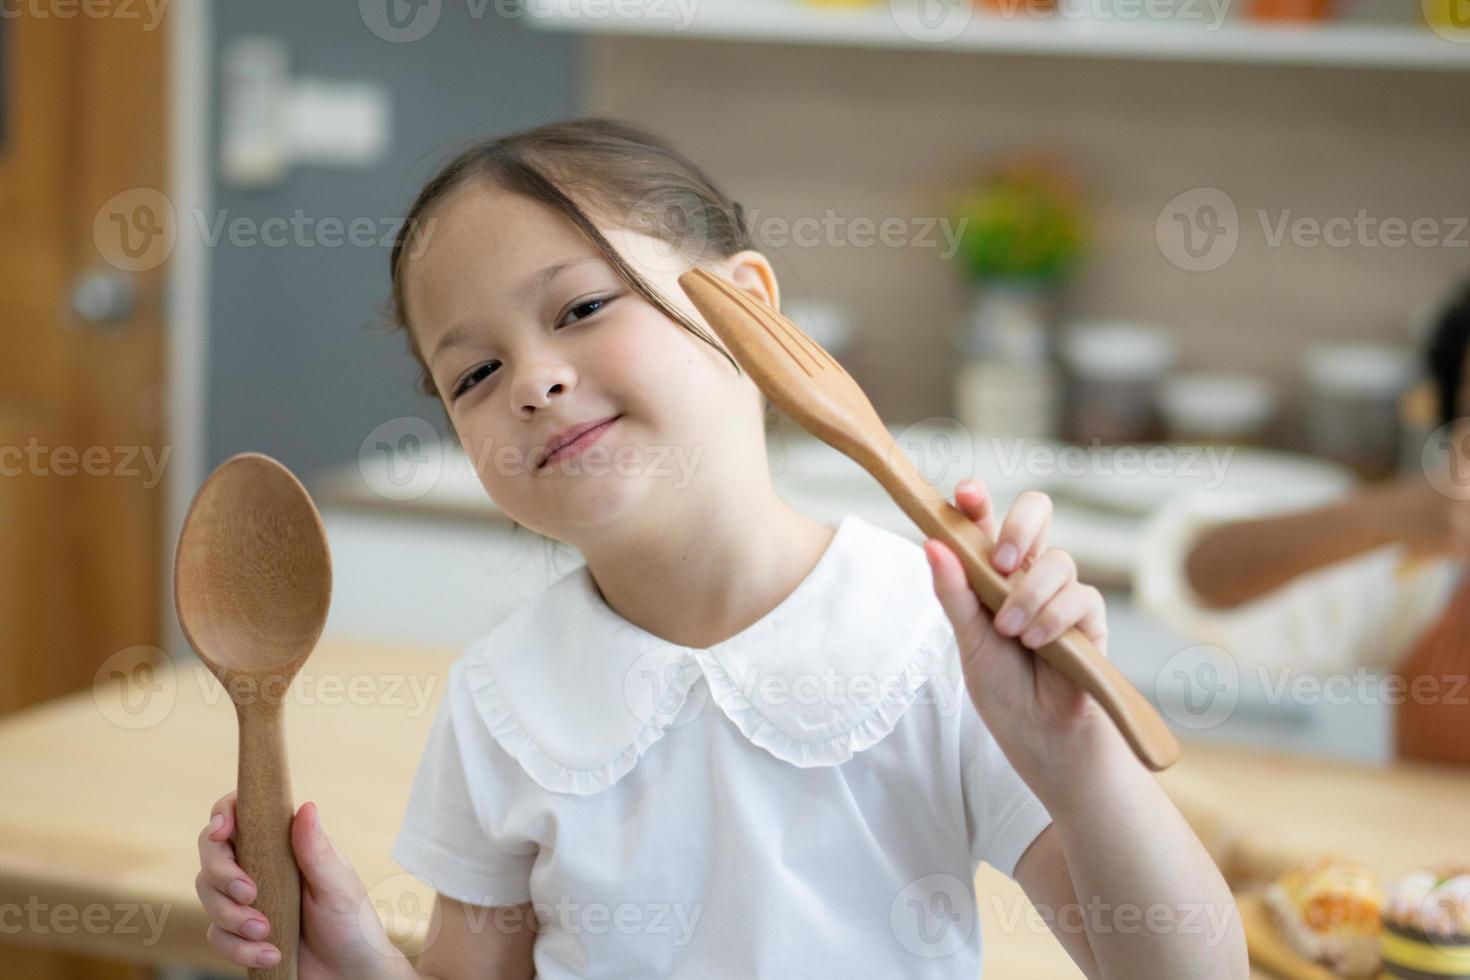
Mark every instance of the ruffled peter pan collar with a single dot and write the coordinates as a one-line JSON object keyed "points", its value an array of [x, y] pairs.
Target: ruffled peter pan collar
{"points": [[576, 694]]}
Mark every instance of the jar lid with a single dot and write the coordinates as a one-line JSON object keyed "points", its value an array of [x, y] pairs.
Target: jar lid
{"points": [[1216, 403], [1360, 369], [1118, 350]]}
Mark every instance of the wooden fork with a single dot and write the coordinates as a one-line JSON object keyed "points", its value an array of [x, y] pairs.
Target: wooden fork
{"points": [[808, 384]]}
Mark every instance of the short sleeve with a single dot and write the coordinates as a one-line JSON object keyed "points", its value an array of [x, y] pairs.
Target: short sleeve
{"points": [[1003, 814], [449, 840]]}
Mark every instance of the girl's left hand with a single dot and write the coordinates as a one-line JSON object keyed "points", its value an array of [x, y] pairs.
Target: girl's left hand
{"points": [[1027, 704]]}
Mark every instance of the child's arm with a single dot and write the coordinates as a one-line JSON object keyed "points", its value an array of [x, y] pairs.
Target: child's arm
{"points": [[1123, 881], [1234, 563], [473, 942]]}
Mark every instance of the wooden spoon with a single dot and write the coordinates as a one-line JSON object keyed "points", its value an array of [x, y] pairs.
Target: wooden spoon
{"points": [[808, 384], [252, 582]]}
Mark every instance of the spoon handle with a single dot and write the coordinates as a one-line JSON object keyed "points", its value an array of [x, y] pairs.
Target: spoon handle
{"points": [[263, 812], [1073, 654]]}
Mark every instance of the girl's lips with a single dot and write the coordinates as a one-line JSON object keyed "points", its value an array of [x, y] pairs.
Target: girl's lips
{"points": [[582, 442]]}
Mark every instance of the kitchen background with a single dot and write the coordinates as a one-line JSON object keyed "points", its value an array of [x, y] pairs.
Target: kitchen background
{"points": [[1189, 224]]}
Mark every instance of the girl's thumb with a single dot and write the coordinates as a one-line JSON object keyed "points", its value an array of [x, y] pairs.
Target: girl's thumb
{"points": [[960, 603], [325, 868]]}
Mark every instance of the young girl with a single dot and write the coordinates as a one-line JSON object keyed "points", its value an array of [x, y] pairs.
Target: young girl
{"points": [[736, 742]]}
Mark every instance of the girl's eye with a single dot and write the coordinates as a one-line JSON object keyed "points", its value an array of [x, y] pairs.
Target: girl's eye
{"points": [[593, 305], [474, 378]]}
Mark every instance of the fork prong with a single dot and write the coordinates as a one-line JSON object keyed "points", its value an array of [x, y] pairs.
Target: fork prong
{"points": [[784, 339], [779, 326], [814, 350]]}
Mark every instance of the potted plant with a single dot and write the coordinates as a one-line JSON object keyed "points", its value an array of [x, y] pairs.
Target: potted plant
{"points": [[1022, 235]]}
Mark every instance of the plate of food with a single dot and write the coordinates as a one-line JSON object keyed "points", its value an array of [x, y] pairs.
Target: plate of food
{"points": [[1332, 918]]}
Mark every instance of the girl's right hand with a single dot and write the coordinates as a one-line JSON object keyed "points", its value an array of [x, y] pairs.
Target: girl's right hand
{"points": [[334, 942]]}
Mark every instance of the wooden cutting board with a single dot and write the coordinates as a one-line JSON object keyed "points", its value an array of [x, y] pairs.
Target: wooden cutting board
{"points": [[1269, 949]]}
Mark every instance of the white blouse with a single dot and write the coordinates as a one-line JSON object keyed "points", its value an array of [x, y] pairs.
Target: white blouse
{"points": [[809, 798]]}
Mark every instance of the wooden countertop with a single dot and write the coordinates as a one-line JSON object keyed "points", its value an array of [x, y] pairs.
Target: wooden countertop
{"points": [[103, 794]]}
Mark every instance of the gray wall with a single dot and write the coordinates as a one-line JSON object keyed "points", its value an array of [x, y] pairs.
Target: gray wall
{"points": [[294, 367]]}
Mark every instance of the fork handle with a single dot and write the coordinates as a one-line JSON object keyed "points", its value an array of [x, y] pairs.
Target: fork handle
{"points": [[1072, 653]]}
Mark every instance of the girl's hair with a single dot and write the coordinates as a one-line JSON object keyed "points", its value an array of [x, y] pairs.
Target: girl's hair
{"points": [[624, 173], [1445, 353]]}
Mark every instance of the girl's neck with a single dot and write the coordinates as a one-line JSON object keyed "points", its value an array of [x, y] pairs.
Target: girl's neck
{"points": [[699, 589]]}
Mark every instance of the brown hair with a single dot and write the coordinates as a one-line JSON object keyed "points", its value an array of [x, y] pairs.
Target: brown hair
{"points": [[623, 171]]}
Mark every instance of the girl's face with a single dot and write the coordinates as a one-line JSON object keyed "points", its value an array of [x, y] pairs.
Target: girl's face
{"points": [[527, 331]]}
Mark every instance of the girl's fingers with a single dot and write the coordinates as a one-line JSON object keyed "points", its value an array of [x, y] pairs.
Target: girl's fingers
{"points": [[1034, 589], [242, 952], [973, 499], [1074, 605], [959, 601], [235, 929], [217, 855], [221, 818], [982, 654], [1023, 532], [229, 915], [1094, 621]]}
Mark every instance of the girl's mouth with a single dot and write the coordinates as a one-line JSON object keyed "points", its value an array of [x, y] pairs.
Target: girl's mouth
{"points": [[580, 444]]}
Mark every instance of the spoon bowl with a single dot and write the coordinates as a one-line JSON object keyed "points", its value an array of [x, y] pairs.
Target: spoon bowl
{"points": [[252, 584], [253, 576]]}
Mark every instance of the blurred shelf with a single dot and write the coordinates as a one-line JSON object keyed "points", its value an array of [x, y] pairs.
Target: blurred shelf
{"points": [[1350, 45]]}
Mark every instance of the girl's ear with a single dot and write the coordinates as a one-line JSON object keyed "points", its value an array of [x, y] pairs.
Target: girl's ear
{"points": [[751, 271]]}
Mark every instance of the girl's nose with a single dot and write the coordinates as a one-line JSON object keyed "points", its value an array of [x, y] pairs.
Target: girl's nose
{"points": [[536, 382]]}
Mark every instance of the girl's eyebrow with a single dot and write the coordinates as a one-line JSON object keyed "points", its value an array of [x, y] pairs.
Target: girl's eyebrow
{"points": [[460, 332]]}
